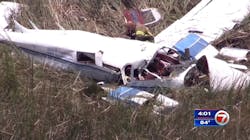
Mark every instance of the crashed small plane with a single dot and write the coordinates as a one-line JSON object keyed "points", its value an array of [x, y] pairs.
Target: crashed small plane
{"points": [[174, 60]]}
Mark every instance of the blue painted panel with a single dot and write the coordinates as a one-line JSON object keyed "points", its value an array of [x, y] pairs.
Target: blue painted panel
{"points": [[123, 93], [192, 41]]}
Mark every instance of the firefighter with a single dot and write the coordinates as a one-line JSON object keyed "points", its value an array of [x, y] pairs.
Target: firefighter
{"points": [[142, 33]]}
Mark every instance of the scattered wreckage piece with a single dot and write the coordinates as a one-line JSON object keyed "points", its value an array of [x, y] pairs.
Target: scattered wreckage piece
{"points": [[147, 16], [193, 47], [162, 71], [132, 96], [210, 17], [165, 69], [174, 82], [235, 53], [238, 66], [151, 16], [221, 75]]}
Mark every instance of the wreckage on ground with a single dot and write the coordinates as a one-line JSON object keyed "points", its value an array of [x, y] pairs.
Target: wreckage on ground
{"points": [[136, 97], [180, 57]]}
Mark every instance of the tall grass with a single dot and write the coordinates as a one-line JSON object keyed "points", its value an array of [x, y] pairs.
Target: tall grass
{"points": [[57, 106], [39, 102], [103, 17]]}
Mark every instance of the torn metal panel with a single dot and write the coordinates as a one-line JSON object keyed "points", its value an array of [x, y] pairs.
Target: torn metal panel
{"points": [[193, 47], [191, 43], [134, 96], [147, 16], [154, 13], [178, 80], [130, 95], [164, 70], [235, 53], [162, 57], [221, 75]]}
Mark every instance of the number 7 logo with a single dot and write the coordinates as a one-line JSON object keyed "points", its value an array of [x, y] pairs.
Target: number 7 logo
{"points": [[221, 117]]}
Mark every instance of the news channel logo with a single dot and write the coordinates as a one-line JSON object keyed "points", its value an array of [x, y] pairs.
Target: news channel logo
{"points": [[205, 118]]}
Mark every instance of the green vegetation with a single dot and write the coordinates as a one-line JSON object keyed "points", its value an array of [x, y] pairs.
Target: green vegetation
{"points": [[40, 102]]}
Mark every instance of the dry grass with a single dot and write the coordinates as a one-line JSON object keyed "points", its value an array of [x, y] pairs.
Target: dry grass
{"points": [[238, 37], [103, 17], [39, 102]]}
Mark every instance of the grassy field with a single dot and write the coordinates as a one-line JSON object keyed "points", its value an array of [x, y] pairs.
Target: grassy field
{"points": [[40, 102]]}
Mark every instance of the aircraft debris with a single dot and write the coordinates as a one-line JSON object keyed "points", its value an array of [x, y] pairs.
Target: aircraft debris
{"points": [[236, 54], [147, 16], [149, 64], [221, 75], [165, 69], [136, 97], [153, 13], [194, 46]]}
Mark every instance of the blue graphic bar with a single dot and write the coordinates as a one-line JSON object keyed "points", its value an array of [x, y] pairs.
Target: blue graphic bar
{"points": [[201, 113], [205, 117], [201, 122]]}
